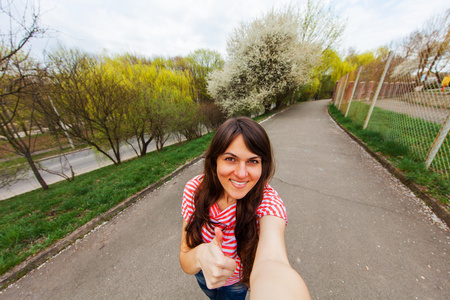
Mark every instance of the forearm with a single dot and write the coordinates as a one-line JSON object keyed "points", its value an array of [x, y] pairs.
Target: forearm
{"points": [[271, 279], [189, 259]]}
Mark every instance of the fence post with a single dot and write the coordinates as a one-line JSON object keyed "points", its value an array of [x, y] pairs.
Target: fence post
{"points": [[343, 92], [338, 94], [335, 92], [353, 92], [369, 114], [438, 142]]}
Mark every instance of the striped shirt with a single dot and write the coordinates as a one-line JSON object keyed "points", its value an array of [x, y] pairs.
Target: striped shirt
{"points": [[271, 205]]}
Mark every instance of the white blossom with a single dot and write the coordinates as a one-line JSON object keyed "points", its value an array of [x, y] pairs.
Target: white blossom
{"points": [[267, 63]]}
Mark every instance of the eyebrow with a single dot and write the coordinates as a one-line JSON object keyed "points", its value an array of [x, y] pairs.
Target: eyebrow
{"points": [[234, 155]]}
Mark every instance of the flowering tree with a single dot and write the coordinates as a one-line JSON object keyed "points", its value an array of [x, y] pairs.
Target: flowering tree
{"points": [[267, 62], [272, 56]]}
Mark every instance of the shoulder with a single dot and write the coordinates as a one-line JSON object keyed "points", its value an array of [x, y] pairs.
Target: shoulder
{"points": [[187, 205], [192, 185], [271, 204]]}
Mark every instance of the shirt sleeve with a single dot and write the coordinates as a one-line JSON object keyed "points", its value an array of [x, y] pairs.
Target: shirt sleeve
{"points": [[187, 205], [271, 205]]}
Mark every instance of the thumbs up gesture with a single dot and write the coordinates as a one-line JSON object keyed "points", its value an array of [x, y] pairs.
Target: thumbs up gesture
{"points": [[216, 266]]}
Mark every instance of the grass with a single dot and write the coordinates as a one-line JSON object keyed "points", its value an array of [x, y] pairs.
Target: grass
{"points": [[31, 222], [399, 144]]}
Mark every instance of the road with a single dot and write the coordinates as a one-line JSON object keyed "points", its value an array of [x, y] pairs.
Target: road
{"points": [[354, 231], [82, 161]]}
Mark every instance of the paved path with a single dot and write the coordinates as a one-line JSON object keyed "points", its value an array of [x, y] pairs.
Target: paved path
{"points": [[354, 231]]}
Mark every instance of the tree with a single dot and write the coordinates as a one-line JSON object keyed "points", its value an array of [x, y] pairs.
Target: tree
{"points": [[272, 58], [201, 62], [320, 25], [18, 90], [426, 51], [329, 69], [171, 95], [91, 100], [159, 100], [267, 62], [20, 106], [139, 77]]}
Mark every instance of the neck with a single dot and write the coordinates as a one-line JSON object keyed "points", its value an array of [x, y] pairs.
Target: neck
{"points": [[225, 201]]}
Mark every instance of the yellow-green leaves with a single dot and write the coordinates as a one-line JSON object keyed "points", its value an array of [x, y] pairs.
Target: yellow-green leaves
{"points": [[109, 101]]}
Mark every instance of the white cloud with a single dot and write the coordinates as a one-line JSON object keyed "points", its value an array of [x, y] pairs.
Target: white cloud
{"points": [[372, 24], [177, 27]]}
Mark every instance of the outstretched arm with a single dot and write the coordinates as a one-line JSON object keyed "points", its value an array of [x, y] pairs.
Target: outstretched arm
{"points": [[272, 276], [209, 258]]}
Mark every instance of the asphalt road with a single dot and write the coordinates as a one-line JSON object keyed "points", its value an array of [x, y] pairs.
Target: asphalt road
{"points": [[354, 231], [82, 161]]}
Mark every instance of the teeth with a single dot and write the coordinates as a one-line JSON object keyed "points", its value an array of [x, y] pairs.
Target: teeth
{"points": [[238, 183]]}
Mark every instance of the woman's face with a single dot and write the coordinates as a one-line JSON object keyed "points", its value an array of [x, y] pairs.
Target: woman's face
{"points": [[238, 169]]}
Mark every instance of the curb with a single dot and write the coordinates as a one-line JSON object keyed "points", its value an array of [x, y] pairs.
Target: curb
{"points": [[437, 206], [41, 257]]}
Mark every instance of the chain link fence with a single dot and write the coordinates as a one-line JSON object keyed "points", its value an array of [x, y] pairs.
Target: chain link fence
{"points": [[409, 107]]}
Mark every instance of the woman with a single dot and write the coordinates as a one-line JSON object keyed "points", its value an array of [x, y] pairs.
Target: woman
{"points": [[233, 228]]}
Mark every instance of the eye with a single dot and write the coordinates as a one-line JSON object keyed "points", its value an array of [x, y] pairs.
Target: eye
{"points": [[229, 158], [254, 161]]}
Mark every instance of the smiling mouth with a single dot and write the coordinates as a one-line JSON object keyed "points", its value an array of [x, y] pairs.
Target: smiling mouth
{"points": [[237, 183]]}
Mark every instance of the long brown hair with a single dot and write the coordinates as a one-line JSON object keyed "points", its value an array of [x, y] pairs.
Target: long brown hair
{"points": [[210, 189]]}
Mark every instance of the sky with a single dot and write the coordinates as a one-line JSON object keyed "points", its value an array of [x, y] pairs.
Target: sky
{"points": [[178, 27]]}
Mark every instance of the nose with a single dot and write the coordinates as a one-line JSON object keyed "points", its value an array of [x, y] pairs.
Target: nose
{"points": [[241, 170]]}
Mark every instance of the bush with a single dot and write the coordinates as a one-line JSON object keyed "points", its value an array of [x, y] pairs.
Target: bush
{"points": [[189, 121], [213, 115]]}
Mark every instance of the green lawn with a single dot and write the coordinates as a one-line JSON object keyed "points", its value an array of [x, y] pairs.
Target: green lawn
{"points": [[401, 144]]}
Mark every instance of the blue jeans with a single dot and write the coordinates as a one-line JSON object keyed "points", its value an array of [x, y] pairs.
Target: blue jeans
{"points": [[233, 292]]}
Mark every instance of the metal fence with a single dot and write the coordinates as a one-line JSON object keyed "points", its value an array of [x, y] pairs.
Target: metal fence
{"points": [[407, 107]]}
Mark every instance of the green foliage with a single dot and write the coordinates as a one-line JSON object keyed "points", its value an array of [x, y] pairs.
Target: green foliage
{"points": [[332, 67], [107, 101], [202, 62]]}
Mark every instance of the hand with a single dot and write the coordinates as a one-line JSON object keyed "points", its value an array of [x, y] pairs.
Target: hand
{"points": [[216, 266]]}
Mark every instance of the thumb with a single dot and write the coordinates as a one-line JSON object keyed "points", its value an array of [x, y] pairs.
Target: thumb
{"points": [[219, 237]]}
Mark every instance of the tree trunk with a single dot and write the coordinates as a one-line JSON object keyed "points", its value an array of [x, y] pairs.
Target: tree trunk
{"points": [[36, 171], [145, 145]]}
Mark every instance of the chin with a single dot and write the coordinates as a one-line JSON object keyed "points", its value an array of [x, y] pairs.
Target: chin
{"points": [[238, 194]]}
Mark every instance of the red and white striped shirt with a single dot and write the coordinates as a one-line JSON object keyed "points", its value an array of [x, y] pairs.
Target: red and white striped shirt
{"points": [[271, 205]]}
